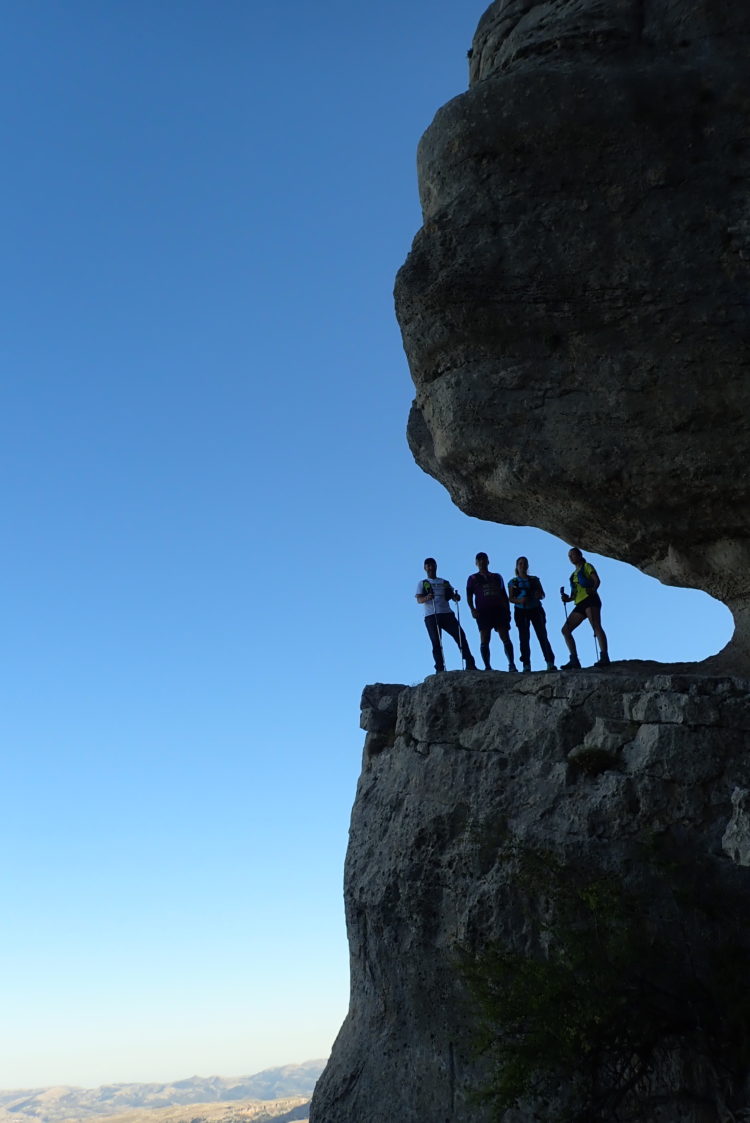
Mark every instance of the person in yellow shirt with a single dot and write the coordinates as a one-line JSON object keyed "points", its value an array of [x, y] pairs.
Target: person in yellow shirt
{"points": [[584, 583]]}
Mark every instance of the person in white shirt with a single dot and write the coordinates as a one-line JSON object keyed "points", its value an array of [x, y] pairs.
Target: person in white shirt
{"points": [[435, 594]]}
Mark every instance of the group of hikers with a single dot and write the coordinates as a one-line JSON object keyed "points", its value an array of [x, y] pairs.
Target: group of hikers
{"points": [[489, 603]]}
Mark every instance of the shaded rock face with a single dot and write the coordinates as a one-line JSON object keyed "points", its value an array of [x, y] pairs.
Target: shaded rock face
{"points": [[468, 764], [575, 307]]}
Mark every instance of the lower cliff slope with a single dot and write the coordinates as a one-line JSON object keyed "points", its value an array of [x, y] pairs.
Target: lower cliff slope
{"points": [[461, 774]]}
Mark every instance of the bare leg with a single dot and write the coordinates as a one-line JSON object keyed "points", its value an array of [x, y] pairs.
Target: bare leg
{"points": [[484, 646], [569, 627], [594, 615], [507, 643]]}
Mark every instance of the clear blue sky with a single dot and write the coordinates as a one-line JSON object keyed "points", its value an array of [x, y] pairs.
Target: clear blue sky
{"points": [[212, 524]]}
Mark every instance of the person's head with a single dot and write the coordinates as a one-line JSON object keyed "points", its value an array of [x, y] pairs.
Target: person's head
{"points": [[482, 562], [430, 567], [575, 556], [522, 566]]}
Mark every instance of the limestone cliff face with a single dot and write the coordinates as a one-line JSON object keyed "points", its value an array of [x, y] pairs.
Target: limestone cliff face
{"points": [[575, 313], [456, 770], [575, 307]]}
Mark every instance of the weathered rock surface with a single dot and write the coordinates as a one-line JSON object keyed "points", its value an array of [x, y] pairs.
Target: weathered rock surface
{"points": [[456, 769], [575, 307]]}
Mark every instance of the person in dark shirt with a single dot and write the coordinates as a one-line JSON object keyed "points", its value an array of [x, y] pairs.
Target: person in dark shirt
{"points": [[526, 595], [488, 602]]}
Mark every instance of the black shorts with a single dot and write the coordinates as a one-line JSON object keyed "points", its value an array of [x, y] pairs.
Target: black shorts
{"points": [[488, 619], [591, 601]]}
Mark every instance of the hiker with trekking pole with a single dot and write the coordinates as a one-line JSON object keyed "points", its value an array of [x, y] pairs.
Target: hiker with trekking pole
{"points": [[526, 595], [435, 594], [584, 583]]}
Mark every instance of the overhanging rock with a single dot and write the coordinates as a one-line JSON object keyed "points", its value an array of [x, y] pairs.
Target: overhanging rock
{"points": [[575, 307]]}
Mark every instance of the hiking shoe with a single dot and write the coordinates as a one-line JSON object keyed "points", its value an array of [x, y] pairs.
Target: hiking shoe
{"points": [[527, 668], [512, 667], [572, 665], [602, 661], [471, 666], [551, 667]]}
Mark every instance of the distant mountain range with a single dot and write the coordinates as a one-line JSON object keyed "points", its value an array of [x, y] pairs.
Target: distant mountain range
{"points": [[222, 1099]]}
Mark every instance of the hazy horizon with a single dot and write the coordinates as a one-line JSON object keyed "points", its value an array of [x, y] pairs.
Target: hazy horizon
{"points": [[178, 1079]]}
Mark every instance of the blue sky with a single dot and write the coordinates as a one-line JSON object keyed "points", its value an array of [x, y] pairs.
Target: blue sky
{"points": [[213, 526]]}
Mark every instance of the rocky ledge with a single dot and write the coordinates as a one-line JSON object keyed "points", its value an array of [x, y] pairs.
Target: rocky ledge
{"points": [[460, 775]]}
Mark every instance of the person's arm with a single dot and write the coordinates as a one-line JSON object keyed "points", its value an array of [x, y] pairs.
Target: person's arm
{"points": [[424, 596], [540, 592], [470, 598], [513, 591]]}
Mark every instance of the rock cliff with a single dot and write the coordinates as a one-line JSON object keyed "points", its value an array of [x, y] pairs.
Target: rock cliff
{"points": [[548, 877], [575, 307], [459, 775]]}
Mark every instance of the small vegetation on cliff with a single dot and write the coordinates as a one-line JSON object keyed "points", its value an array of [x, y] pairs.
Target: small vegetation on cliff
{"points": [[618, 1000]]}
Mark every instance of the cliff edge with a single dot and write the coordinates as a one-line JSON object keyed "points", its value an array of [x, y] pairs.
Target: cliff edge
{"points": [[583, 772]]}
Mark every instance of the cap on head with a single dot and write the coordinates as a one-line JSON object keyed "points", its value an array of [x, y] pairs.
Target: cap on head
{"points": [[481, 555], [430, 561]]}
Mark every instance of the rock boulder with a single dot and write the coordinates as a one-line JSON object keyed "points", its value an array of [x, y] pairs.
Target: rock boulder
{"points": [[575, 307]]}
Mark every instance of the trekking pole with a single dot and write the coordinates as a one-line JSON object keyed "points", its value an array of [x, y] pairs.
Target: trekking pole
{"points": [[565, 603], [460, 633]]}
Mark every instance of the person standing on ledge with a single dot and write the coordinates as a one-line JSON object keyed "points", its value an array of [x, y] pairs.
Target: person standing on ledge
{"points": [[526, 595], [492, 610], [584, 582], [435, 593]]}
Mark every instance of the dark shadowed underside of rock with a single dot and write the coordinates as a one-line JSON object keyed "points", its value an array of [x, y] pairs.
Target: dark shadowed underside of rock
{"points": [[575, 307]]}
